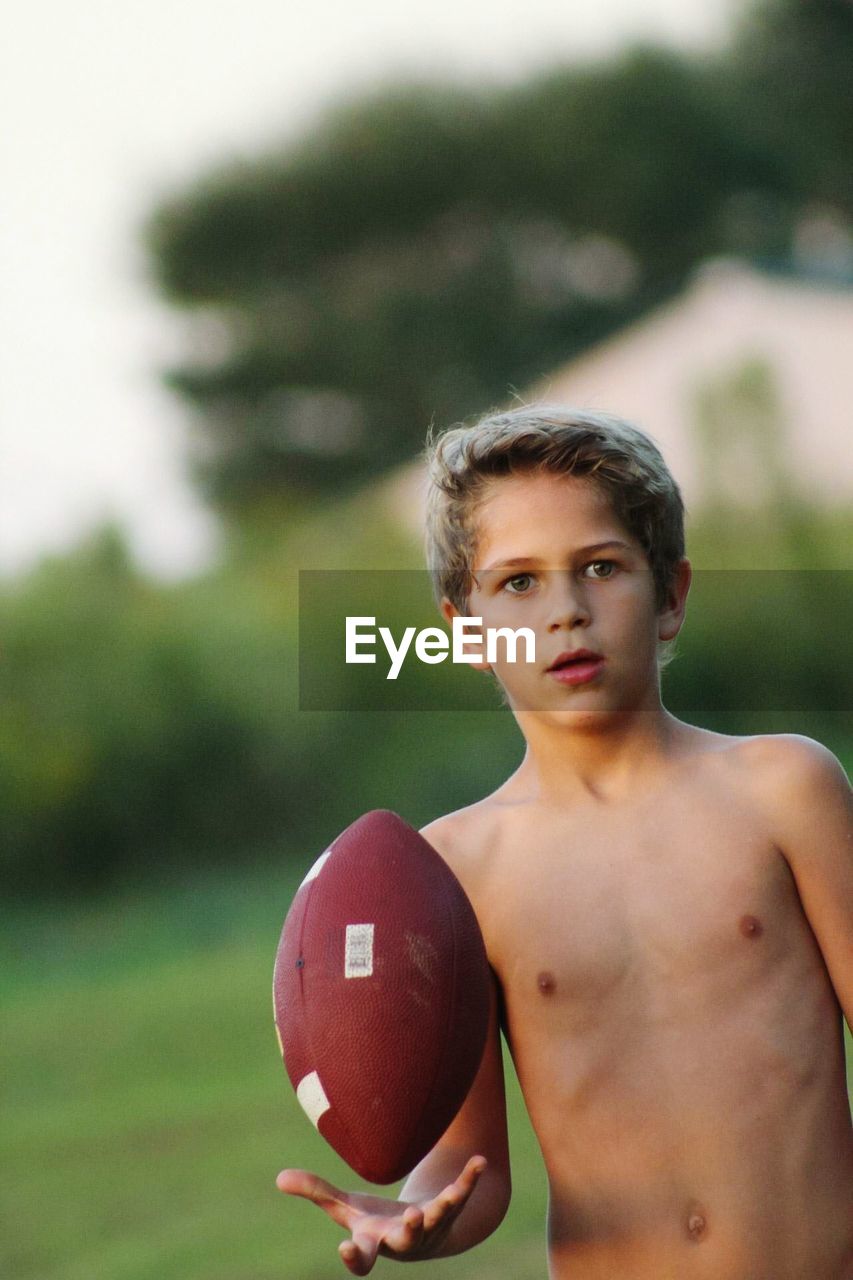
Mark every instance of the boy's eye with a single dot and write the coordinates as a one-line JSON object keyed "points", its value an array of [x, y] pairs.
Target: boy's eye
{"points": [[519, 584], [599, 569]]}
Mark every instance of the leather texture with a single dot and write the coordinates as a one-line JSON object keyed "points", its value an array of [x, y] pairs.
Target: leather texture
{"points": [[396, 1045]]}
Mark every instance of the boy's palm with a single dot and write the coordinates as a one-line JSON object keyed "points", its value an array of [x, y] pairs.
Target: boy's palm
{"points": [[400, 1229]]}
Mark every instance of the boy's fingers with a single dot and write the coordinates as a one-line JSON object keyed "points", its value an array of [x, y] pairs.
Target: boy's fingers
{"points": [[470, 1175], [402, 1236], [414, 1220], [299, 1182], [435, 1213], [351, 1258], [454, 1196], [359, 1254], [406, 1234]]}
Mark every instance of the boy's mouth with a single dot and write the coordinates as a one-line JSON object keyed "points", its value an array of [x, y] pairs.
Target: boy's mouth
{"points": [[576, 666], [570, 657]]}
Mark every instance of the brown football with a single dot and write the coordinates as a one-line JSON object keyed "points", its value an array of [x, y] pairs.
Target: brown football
{"points": [[381, 996]]}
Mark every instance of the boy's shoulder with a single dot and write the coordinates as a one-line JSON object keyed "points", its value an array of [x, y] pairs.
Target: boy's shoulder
{"points": [[458, 835], [788, 765], [778, 771], [466, 837], [794, 776], [794, 782]]}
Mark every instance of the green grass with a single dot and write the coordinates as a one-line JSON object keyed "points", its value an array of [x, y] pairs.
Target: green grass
{"points": [[146, 1111]]}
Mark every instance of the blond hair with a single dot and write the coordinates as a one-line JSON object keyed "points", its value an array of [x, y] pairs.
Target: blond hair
{"points": [[622, 460]]}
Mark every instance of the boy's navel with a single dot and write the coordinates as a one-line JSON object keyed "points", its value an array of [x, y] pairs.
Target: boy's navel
{"points": [[751, 927], [696, 1222], [546, 982]]}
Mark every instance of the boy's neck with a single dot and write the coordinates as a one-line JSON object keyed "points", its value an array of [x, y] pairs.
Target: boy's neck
{"points": [[608, 759]]}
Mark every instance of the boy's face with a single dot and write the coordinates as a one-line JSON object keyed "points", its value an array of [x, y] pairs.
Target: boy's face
{"points": [[552, 556]]}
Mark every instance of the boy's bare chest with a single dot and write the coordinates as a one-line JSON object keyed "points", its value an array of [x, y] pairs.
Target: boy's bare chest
{"points": [[676, 902]]}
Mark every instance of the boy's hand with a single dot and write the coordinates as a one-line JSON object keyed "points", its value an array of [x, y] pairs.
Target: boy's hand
{"points": [[399, 1229]]}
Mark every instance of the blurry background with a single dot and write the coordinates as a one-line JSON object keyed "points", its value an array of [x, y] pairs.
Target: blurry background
{"points": [[249, 255]]}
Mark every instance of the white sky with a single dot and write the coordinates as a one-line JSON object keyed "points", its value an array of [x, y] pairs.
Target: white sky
{"points": [[108, 105]]}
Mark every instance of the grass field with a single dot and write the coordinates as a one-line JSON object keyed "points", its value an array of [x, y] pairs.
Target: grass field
{"points": [[145, 1110]]}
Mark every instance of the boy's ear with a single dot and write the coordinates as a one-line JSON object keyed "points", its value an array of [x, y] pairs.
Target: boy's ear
{"points": [[671, 616], [449, 611]]}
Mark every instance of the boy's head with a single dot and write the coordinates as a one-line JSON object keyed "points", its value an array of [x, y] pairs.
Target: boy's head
{"points": [[618, 458]]}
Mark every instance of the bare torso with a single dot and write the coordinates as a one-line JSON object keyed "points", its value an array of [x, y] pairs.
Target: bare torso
{"points": [[673, 1026]]}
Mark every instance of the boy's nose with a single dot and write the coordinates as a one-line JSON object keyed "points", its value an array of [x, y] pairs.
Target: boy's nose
{"points": [[569, 608]]}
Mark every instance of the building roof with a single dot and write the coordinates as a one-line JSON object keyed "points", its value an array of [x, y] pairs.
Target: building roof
{"points": [[693, 374], [661, 371]]}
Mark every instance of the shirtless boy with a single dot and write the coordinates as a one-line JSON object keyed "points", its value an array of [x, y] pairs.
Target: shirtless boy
{"points": [[668, 911]]}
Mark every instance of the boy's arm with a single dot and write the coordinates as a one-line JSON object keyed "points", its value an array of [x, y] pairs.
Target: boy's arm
{"points": [[813, 813], [450, 1202], [479, 1128]]}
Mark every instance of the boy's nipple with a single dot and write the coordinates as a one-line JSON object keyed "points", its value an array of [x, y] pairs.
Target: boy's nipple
{"points": [[546, 982], [751, 927]]}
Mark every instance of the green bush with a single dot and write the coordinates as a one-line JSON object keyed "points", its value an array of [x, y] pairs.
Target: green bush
{"points": [[146, 728]]}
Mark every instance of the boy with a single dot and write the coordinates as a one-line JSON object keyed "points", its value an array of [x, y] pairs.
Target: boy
{"points": [[668, 911]]}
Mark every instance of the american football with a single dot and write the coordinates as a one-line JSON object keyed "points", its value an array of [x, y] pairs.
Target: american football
{"points": [[381, 996]]}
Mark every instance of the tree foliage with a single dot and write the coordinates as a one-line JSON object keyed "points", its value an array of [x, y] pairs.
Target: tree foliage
{"points": [[411, 258], [147, 729], [790, 81], [423, 250]]}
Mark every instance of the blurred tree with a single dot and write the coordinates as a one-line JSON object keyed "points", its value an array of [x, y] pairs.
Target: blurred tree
{"points": [[130, 736], [426, 249], [790, 71], [146, 729]]}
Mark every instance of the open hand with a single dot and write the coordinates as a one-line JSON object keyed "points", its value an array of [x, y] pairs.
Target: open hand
{"points": [[379, 1226]]}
